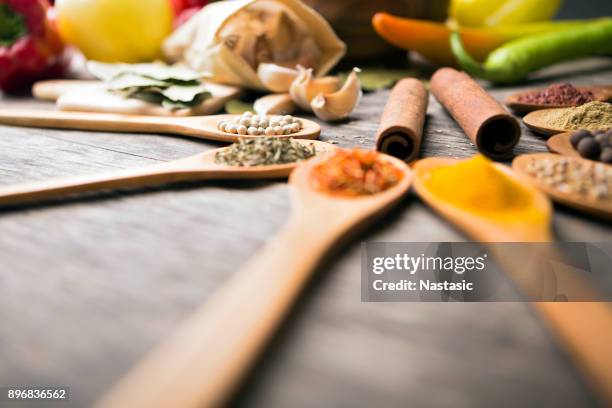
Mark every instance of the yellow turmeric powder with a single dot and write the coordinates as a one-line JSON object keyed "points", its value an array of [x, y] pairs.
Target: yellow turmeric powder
{"points": [[478, 186]]}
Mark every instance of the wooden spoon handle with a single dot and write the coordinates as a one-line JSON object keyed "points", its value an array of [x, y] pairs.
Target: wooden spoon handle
{"points": [[602, 93], [88, 121], [152, 175], [50, 90], [204, 360], [584, 330]]}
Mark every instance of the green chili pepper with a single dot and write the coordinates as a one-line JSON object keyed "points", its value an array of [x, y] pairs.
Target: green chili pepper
{"points": [[513, 61]]}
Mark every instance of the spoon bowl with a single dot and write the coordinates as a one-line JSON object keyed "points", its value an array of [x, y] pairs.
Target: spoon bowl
{"points": [[201, 166], [536, 122], [482, 228], [202, 363], [601, 208], [560, 144], [582, 338], [203, 127], [601, 93]]}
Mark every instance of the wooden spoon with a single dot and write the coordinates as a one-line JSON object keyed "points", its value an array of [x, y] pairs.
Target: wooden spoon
{"points": [[561, 144], [203, 361], [93, 96], [583, 328], [601, 93], [536, 122], [480, 228], [204, 127], [602, 208], [50, 90], [198, 167]]}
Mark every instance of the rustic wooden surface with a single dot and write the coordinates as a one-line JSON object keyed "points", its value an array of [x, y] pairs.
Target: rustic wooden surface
{"points": [[89, 285]]}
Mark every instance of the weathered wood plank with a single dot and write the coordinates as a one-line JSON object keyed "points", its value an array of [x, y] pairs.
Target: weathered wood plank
{"points": [[88, 286]]}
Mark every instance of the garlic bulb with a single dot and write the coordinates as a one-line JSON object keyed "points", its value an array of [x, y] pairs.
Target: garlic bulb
{"points": [[275, 77], [338, 105], [274, 104], [304, 88]]}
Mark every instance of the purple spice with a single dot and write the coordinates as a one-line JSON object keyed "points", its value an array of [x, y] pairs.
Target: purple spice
{"points": [[558, 94]]}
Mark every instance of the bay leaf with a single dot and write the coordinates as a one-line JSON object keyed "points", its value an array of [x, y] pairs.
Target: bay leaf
{"points": [[172, 105], [197, 100], [178, 93], [127, 80], [159, 71], [147, 96]]}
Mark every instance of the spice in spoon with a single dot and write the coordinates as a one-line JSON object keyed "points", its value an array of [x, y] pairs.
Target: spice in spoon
{"points": [[354, 173], [574, 176], [590, 116], [596, 145], [264, 151], [478, 186], [558, 94], [259, 125]]}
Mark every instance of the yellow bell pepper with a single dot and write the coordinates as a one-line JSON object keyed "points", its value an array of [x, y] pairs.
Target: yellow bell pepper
{"points": [[488, 13], [115, 30]]}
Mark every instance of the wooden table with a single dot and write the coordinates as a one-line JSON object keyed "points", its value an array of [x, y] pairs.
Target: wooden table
{"points": [[89, 285]]}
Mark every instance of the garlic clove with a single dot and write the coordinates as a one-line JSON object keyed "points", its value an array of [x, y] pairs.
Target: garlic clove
{"points": [[276, 78], [338, 105], [274, 104], [305, 87]]}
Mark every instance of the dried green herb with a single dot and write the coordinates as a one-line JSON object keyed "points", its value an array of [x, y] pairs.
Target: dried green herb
{"points": [[263, 151], [173, 87], [127, 81], [158, 71]]}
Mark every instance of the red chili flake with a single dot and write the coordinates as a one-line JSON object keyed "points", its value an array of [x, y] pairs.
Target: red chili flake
{"points": [[355, 172]]}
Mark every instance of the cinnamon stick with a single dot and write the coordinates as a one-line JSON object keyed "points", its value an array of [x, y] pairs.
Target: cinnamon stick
{"points": [[401, 125], [484, 120]]}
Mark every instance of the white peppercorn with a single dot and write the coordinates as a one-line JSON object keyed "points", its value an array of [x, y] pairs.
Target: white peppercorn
{"points": [[256, 125]]}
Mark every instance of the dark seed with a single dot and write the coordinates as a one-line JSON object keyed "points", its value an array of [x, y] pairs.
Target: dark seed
{"points": [[603, 140], [600, 137], [576, 137], [606, 155], [589, 148]]}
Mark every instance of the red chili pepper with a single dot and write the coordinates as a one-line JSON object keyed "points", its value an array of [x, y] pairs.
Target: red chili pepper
{"points": [[181, 5], [185, 9], [30, 47]]}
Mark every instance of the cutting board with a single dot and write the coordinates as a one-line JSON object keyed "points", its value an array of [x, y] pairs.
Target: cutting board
{"points": [[92, 96]]}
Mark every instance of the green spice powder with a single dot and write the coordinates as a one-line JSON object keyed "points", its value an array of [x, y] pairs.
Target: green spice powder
{"points": [[263, 151], [590, 116]]}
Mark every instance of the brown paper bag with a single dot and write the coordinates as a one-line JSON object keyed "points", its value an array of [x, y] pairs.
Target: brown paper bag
{"points": [[229, 39]]}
